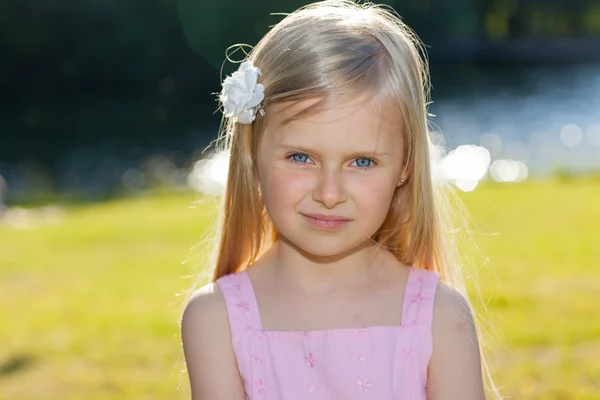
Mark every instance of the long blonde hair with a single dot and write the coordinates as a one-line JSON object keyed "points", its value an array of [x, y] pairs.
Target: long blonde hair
{"points": [[337, 50]]}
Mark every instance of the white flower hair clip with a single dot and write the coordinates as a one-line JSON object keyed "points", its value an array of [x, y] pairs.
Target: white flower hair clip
{"points": [[241, 95]]}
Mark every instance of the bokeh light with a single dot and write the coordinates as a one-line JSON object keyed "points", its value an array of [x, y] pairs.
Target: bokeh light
{"points": [[571, 135], [593, 134], [133, 179], [508, 171], [465, 167], [209, 175]]}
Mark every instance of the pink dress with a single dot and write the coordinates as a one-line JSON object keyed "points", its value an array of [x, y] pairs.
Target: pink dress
{"points": [[376, 362]]}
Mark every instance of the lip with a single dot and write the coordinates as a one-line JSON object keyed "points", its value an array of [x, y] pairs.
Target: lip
{"points": [[323, 217], [326, 222]]}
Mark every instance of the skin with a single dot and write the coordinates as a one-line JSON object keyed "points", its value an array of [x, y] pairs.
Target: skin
{"points": [[346, 161]]}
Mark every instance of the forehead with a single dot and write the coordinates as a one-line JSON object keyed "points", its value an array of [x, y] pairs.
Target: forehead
{"points": [[360, 121]]}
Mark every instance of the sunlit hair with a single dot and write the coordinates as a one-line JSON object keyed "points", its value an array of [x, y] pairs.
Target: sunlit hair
{"points": [[333, 52]]}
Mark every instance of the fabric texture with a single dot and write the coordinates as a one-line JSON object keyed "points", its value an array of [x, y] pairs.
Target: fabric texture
{"points": [[377, 362]]}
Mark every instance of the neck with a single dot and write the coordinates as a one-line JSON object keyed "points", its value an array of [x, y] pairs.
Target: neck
{"points": [[318, 274]]}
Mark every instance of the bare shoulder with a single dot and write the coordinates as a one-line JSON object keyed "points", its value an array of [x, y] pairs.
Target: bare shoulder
{"points": [[206, 339], [456, 356], [205, 305], [452, 312]]}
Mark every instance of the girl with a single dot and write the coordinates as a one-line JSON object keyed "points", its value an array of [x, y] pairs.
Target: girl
{"points": [[331, 245]]}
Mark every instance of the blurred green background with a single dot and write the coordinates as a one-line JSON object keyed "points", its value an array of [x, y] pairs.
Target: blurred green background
{"points": [[105, 191]]}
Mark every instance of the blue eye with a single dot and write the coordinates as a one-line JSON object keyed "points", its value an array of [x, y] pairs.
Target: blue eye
{"points": [[364, 162], [299, 158], [360, 163]]}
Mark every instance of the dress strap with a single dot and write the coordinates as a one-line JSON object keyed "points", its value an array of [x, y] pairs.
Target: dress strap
{"points": [[242, 307], [419, 296]]}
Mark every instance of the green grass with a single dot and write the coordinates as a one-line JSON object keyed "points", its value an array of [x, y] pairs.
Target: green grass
{"points": [[89, 307], [542, 285]]}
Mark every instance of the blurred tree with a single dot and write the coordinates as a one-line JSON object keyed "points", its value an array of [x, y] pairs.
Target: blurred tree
{"points": [[112, 45], [210, 25], [81, 71]]}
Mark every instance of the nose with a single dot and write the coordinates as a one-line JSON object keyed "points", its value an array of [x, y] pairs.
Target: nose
{"points": [[329, 189]]}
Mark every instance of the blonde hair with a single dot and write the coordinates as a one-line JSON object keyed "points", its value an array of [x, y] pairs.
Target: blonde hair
{"points": [[333, 51]]}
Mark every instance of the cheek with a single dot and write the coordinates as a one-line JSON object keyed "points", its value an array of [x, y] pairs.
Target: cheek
{"points": [[282, 187], [374, 195]]}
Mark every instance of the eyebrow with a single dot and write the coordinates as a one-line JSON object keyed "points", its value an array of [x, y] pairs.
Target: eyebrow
{"points": [[307, 150]]}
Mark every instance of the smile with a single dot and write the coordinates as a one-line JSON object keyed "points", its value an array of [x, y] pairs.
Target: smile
{"points": [[326, 222]]}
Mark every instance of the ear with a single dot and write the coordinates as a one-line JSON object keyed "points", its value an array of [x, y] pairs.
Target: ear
{"points": [[402, 179]]}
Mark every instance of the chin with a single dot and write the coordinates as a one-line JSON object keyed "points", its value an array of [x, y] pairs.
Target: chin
{"points": [[327, 247]]}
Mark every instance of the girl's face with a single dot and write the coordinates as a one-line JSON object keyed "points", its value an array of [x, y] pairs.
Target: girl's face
{"points": [[343, 164]]}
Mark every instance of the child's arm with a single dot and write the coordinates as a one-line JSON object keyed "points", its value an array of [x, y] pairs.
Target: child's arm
{"points": [[455, 366], [206, 338]]}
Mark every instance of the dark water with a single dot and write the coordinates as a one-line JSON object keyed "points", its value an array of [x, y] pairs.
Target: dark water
{"points": [[546, 117]]}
